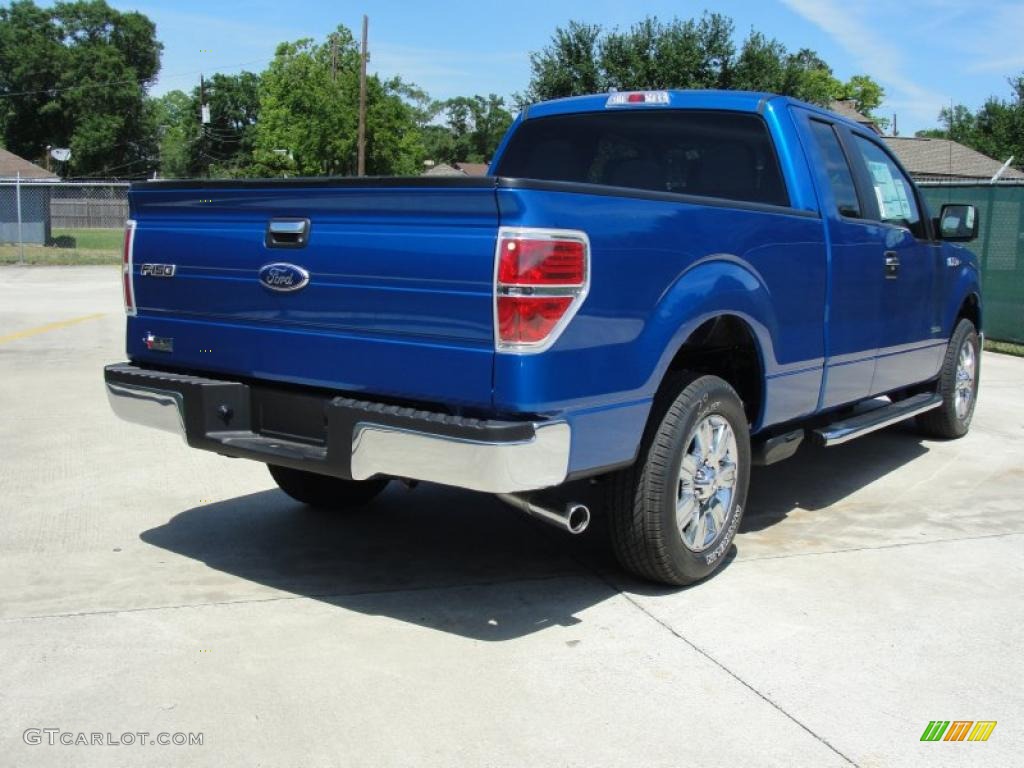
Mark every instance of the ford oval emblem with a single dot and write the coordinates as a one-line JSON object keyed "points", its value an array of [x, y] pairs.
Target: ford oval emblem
{"points": [[283, 277]]}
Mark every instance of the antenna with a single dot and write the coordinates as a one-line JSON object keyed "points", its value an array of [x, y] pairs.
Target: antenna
{"points": [[949, 138], [1001, 171]]}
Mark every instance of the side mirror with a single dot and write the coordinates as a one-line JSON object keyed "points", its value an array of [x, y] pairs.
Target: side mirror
{"points": [[958, 223]]}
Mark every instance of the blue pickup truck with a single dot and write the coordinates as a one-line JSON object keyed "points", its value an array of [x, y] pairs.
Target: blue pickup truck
{"points": [[650, 291]]}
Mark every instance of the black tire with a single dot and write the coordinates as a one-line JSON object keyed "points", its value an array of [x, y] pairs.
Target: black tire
{"points": [[326, 492], [641, 501], [944, 422]]}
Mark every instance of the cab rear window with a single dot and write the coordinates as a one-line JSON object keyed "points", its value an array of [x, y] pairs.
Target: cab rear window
{"points": [[709, 154]]}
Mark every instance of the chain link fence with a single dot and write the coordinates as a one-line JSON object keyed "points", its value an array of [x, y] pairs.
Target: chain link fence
{"points": [[1000, 249], [61, 222]]}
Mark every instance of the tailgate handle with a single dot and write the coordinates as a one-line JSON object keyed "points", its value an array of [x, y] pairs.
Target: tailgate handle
{"points": [[287, 233]]}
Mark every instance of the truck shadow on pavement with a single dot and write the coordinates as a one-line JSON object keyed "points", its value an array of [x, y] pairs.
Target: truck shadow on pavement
{"points": [[817, 478], [445, 559], [467, 564]]}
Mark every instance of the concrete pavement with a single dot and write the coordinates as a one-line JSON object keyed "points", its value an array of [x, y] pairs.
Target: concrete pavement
{"points": [[144, 586]]}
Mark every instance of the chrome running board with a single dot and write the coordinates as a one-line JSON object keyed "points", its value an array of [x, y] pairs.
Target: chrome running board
{"points": [[839, 432]]}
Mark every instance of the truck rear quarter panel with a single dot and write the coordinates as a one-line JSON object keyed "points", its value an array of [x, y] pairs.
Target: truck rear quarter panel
{"points": [[659, 269]]}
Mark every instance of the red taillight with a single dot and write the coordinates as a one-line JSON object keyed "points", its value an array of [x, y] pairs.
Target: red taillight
{"points": [[127, 281], [528, 320], [541, 262], [541, 279]]}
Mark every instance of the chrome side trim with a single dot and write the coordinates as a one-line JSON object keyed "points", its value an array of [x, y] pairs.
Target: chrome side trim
{"points": [[527, 465], [156, 408]]}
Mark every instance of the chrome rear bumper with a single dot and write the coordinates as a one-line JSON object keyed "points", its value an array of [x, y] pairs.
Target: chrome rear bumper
{"points": [[346, 438], [148, 407], [539, 462]]}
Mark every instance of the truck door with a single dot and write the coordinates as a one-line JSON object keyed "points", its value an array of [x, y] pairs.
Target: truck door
{"points": [[910, 345], [853, 322]]}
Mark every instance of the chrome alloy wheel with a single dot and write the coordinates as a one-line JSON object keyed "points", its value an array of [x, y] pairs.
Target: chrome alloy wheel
{"points": [[707, 481], [966, 373]]}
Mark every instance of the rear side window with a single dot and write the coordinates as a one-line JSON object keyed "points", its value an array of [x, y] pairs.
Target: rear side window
{"points": [[710, 154], [893, 190], [839, 175]]}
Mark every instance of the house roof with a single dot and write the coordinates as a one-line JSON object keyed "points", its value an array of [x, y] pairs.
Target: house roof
{"points": [[472, 169], [848, 108], [457, 169], [11, 165], [442, 169], [928, 158]]}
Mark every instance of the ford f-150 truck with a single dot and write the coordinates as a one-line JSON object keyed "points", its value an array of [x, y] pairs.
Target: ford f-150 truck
{"points": [[651, 290]]}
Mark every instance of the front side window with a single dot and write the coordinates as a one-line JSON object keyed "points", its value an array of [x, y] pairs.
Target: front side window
{"points": [[711, 154], [893, 190], [839, 176]]}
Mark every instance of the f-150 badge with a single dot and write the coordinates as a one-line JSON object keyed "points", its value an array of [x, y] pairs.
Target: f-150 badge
{"points": [[157, 270]]}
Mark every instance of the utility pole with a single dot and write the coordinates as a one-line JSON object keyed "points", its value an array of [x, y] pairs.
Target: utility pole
{"points": [[204, 109], [334, 56], [361, 163]]}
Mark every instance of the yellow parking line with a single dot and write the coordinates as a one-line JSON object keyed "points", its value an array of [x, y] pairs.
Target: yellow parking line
{"points": [[48, 327]]}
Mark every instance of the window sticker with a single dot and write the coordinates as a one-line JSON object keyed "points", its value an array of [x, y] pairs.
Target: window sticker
{"points": [[893, 198]]}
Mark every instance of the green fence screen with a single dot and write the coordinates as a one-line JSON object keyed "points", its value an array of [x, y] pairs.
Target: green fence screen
{"points": [[1000, 248]]}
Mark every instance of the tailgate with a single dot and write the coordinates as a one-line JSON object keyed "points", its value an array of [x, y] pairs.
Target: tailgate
{"points": [[399, 294]]}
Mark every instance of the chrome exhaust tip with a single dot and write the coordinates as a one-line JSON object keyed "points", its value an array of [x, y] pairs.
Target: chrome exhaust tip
{"points": [[574, 518], [577, 517]]}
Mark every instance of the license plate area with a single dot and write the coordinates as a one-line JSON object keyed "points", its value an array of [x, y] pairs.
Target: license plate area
{"points": [[290, 415]]}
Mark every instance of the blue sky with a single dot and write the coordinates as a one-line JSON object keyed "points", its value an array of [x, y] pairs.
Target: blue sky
{"points": [[925, 52]]}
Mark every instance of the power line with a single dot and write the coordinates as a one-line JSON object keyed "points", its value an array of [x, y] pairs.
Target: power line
{"points": [[137, 81], [106, 170]]}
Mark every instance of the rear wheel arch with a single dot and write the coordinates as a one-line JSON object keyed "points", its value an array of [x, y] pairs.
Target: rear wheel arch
{"points": [[726, 346]]}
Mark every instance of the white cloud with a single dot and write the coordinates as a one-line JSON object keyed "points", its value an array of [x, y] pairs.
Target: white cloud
{"points": [[994, 41], [878, 54]]}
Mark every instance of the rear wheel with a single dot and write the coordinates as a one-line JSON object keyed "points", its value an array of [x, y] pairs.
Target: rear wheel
{"points": [[323, 491], [958, 385], [674, 514]]}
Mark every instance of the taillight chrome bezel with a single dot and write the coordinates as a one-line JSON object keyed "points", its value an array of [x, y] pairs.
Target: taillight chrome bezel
{"points": [[576, 291], [127, 269]]}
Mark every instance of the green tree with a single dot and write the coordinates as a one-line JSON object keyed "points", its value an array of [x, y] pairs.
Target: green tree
{"points": [[762, 65], [473, 128], [75, 75], [222, 147], [567, 66], [308, 119], [996, 129], [808, 77], [865, 92], [177, 128], [690, 53]]}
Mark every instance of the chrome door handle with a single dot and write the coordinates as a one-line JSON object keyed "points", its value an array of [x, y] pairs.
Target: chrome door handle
{"points": [[287, 233], [892, 265]]}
